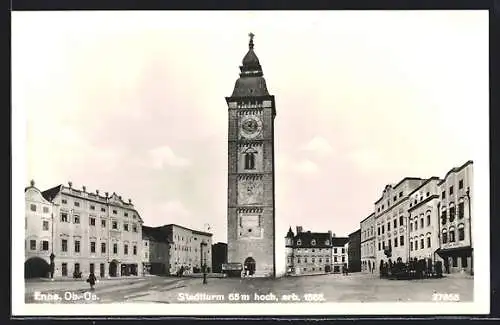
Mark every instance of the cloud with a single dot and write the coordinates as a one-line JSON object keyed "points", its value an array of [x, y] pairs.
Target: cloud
{"points": [[162, 156], [306, 167], [319, 145]]}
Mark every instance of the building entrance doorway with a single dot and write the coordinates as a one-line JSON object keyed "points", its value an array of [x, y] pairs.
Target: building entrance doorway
{"points": [[113, 268], [250, 265]]}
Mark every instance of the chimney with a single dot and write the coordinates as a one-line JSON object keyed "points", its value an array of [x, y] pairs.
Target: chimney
{"points": [[129, 201], [330, 234], [299, 229], [70, 183], [84, 188], [97, 192], [333, 235], [107, 194], [120, 197], [32, 182]]}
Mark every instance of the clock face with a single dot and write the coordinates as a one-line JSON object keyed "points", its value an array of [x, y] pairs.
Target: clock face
{"points": [[251, 127]]}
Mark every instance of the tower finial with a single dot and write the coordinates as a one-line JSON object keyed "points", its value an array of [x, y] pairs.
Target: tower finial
{"points": [[250, 44]]}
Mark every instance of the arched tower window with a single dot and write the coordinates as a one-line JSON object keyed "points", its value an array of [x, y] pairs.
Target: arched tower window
{"points": [[250, 154]]}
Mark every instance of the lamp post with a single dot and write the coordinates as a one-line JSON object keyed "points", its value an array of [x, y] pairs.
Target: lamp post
{"points": [[467, 193], [203, 262]]}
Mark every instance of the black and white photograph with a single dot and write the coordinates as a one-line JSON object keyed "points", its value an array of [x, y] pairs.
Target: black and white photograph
{"points": [[250, 163]]}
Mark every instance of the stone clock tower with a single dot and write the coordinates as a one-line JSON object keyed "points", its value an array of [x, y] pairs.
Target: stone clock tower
{"points": [[250, 211]]}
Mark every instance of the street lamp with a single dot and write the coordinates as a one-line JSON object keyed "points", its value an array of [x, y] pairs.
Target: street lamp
{"points": [[203, 261], [467, 193]]}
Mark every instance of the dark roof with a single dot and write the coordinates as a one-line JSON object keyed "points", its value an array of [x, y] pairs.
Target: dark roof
{"points": [[251, 82], [171, 225], [355, 233], [307, 237], [51, 193], [339, 241], [154, 233]]}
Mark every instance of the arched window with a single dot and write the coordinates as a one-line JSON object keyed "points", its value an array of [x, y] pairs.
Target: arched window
{"points": [[250, 160], [461, 231], [445, 236], [460, 208], [428, 216], [443, 216], [299, 242], [452, 211], [422, 246], [411, 226], [422, 220], [452, 234], [428, 240]]}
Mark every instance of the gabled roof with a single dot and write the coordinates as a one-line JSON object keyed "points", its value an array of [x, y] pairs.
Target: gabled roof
{"points": [[307, 237], [51, 193], [339, 241]]}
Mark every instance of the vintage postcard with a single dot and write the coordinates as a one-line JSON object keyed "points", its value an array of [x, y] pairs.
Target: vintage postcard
{"points": [[250, 163]]}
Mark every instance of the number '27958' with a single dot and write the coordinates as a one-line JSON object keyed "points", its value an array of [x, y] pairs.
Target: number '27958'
{"points": [[445, 297]]}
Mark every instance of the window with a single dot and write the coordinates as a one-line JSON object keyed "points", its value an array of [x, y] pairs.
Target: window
{"points": [[400, 194], [335, 258], [103, 223], [115, 248], [77, 246], [395, 223], [45, 245], [146, 243], [460, 184], [125, 226], [411, 245], [250, 160], [416, 244], [461, 232], [76, 219], [33, 245], [443, 217], [77, 267], [114, 212], [428, 242], [379, 246], [343, 258], [460, 210], [378, 231], [45, 225], [452, 235], [401, 220], [103, 248], [64, 269], [327, 260], [452, 213], [445, 236], [92, 207], [428, 194], [422, 222], [320, 260], [443, 194], [411, 226], [299, 242], [428, 220], [451, 190], [305, 259], [343, 250], [64, 245], [64, 201], [103, 209], [298, 259], [416, 224], [395, 198], [92, 221], [64, 217], [395, 242], [401, 240], [335, 251], [125, 249], [313, 259], [464, 261], [92, 246], [91, 267], [383, 229], [33, 207], [115, 225], [45, 210], [455, 261], [77, 204], [125, 214], [135, 250]]}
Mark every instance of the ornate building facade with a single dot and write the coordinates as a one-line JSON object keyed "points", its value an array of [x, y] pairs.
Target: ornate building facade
{"points": [[87, 232], [251, 211], [367, 227], [308, 252]]}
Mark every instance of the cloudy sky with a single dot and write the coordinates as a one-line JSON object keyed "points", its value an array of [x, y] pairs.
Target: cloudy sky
{"points": [[133, 103]]}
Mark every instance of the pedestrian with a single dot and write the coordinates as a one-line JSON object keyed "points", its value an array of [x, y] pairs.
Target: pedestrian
{"points": [[91, 280]]}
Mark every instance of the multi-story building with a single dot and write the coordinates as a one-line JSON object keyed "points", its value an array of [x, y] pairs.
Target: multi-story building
{"points": [[455, 205], [339, 253], [190, 249], [391, 220], [308, 252], [39, 234], [423, 221], [367, 227], [219, 256], [90, 232], [354, 251], [156, 251]]}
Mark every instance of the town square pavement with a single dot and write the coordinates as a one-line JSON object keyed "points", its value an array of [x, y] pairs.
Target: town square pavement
{"points": [[355, 287]]}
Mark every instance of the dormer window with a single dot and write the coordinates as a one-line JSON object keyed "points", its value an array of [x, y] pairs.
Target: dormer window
{"points": [[313, 242], [327, 242], [299, 242]]}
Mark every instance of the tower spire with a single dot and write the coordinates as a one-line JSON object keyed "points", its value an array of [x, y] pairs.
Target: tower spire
{"points": [[250, 44]]}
